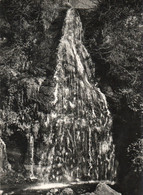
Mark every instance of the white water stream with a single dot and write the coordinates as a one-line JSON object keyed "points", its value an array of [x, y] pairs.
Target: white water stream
{"points": [[79, 141]]}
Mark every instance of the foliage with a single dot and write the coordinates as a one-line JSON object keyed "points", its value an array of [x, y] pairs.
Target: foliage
{"points": [[24, 59], [135, 152], [115, 46], [113, 37]]}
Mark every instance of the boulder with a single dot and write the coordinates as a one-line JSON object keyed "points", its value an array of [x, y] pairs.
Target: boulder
{"points": [[67, 191], [53, 192], [102, 188]]}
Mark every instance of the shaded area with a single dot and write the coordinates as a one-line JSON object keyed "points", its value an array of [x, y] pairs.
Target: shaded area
{"points": [[17, 150]]}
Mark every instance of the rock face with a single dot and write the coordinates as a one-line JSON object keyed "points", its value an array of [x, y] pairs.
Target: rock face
{"points": [[103, 189]]}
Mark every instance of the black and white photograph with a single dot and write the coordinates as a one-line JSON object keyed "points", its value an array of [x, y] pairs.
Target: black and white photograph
{"points": [[71, 88]]}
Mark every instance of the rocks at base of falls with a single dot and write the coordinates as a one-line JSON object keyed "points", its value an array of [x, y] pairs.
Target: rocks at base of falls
{"points": [[67, 191], [53, 191], [102, 188]]}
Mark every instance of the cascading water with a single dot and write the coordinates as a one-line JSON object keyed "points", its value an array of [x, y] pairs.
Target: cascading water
{"points": [[78, 141]]}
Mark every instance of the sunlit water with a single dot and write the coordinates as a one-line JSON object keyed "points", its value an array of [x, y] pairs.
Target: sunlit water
{"points": [[47, 186]]}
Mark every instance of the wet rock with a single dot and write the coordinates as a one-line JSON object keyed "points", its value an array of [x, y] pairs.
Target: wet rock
{"points": [[35, 129], [67, 191], [102, 188], [67, 5], [4, 165], [53, 192]]}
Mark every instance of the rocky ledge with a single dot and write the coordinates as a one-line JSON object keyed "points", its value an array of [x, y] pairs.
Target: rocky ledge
{"points": [[101, 189], [84, 189]]}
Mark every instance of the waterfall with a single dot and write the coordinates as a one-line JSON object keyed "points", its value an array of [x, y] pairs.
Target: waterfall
{"points": [[31, 155], [79, 141]]}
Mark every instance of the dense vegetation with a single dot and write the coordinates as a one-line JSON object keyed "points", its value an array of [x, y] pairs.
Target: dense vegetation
{"points": [[30, 31], [113, 37]]}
